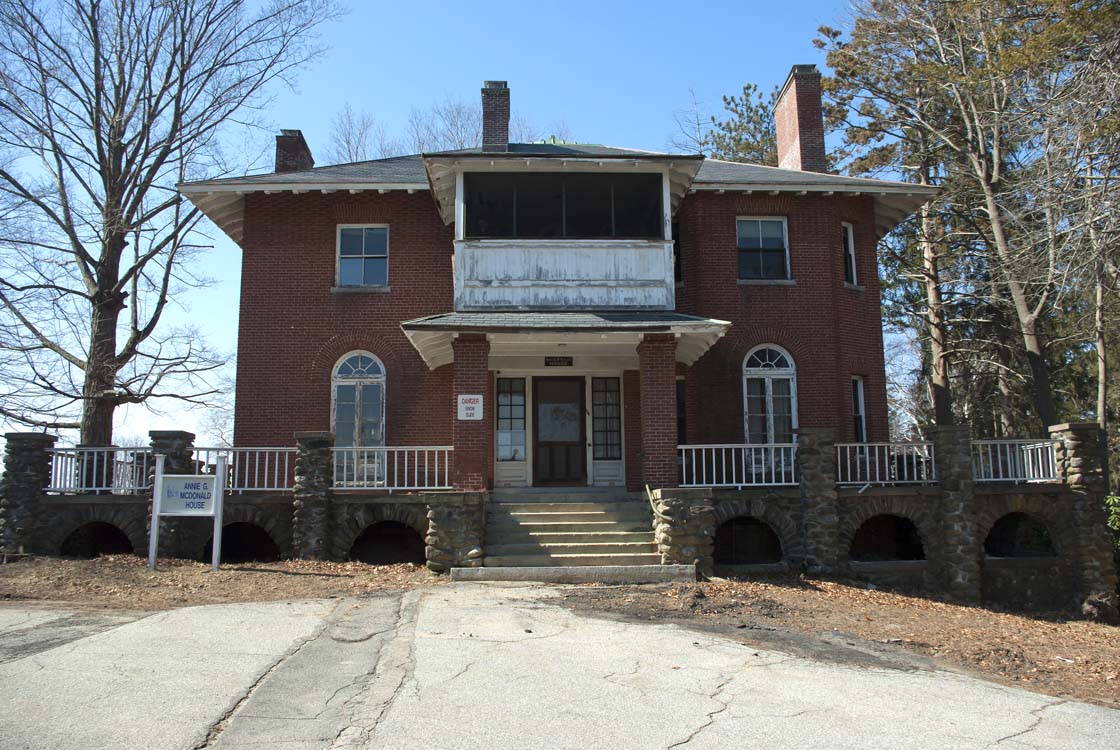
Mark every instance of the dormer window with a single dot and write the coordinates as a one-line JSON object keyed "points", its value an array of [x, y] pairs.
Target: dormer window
{"points": [[572, 206]]}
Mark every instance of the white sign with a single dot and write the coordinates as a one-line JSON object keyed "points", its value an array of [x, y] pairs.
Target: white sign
{"points": [[187, 495], [470, 407]]}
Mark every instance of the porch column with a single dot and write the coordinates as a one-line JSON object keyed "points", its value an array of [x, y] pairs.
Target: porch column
{"points": [[962, 545], [471, 437], [816, 463], [1080, 448], [657, 363], [27, 473]]}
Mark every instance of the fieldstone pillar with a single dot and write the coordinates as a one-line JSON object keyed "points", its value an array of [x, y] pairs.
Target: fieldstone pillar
{"points": [[311, 514], [470, 464], [1079, 455], [816, 465], [27, 473], [684, 526], [961, 545], [456, 524], [657, 381]]}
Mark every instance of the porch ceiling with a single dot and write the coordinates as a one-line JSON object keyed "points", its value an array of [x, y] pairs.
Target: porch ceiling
{"points": [[597, 334]]}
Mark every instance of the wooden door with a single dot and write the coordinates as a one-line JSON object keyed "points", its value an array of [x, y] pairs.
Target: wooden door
{"points": [[559, 432]]}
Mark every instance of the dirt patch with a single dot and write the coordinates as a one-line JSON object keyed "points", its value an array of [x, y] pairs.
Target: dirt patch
{"points": [[124, 581], [1046, 653]]}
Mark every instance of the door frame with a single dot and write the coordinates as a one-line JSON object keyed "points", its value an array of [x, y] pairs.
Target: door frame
{"points": [[582, 380]]}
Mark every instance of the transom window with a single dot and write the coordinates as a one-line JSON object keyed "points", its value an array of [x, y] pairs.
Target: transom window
{"points": [[574, 206], [763, 248], [849, 244], [769, 396], [363, 255], [606, 418], [511, 419], [358, 401]]}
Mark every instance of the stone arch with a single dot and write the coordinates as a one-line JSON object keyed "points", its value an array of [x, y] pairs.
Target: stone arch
{"points": [[887, 537], [330, 351], [781, 523], [243, 542], [274, 519], [94, 539], [388, 543], [1019, 534], [915, 510], [746, 540], [1042, 508], [355, 518], [132, 520]]}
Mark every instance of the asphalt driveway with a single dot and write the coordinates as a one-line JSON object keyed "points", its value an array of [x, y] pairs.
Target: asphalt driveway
{"points": [[478, 666]]}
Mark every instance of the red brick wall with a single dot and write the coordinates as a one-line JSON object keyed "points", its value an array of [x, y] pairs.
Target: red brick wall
{"points": [[632, 428], [658, 383], [473, 464], [293, 329], [832, 332]]}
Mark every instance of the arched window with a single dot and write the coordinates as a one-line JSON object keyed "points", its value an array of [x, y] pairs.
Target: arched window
{"points": [[358, 401], [769, 395]]}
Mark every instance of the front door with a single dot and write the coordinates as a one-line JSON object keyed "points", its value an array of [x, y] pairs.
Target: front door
{"points": [[559, 448]]}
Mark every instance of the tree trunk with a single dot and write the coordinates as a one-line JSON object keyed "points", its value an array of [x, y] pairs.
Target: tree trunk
{"points": [[99, 399], [940, 392]]}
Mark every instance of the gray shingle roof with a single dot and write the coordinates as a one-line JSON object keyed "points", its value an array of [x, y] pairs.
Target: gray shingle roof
{"points": [[714, 171]]}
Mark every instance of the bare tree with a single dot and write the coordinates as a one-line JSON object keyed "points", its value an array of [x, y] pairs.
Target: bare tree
{"points": [[104, 107], [359, 137]]}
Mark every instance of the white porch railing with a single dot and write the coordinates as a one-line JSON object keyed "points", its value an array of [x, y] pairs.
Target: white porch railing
{"points": [[885, 463], [259, 469], [773, 464], [120, 471], [1014, 461], [403, 468]]}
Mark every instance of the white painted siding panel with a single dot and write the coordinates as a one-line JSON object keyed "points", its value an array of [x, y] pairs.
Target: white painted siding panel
{"points": [[524, 274]]}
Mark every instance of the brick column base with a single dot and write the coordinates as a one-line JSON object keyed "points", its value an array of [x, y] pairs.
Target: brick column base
{"points": [[470, 469], [657, 362]]}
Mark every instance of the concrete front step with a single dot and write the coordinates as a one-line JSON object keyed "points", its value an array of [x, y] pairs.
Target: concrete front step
{"points": [[499, 530], [545, 560], [575, 495], [580, 574], [554, 549], [610, 536], [625, 506], [515, 518]]}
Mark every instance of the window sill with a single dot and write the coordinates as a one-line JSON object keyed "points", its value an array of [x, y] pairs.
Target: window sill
{"points": [[854, 287], [767, 282], [359, 290]]}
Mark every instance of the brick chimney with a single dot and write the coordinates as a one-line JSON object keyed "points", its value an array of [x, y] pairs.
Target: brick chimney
{"points": [[800, 121], [495, 116], [292, 153]]}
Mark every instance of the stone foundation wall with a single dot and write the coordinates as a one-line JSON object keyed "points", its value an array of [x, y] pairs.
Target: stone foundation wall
{"points": [[456, 529], [684, 527]]}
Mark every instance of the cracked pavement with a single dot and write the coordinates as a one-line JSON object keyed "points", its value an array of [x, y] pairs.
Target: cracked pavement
{"points": [[477, 666]]}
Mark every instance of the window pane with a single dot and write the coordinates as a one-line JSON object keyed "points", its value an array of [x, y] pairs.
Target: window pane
{"points": [[350, 243], [539, 205], [376, 272], [511, 419], [587, 206], [748, 234], [773, 238], [377, 241], [637, 206], [489, 204], [772, 264], [350, 272], [606, 418]]}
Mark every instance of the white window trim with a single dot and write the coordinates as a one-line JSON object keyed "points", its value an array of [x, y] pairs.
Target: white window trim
{"points": [[767, 374], [858, 393], [338, 258], [850, 257], [382, 379]]}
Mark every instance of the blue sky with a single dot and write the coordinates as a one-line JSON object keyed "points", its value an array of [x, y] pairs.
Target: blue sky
{"points": [[612, 72]]}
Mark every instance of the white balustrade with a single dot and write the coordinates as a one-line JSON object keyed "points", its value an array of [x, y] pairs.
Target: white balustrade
{"points": [[393, 468], [727, 465], [120, 471], [885, 463], [1014, 461], [251, 469]]}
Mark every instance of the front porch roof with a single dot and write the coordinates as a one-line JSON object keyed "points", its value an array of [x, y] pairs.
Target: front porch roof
{"points": [[541, 332]]}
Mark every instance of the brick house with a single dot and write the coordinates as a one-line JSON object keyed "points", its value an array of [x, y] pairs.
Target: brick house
{"points": [[605, 305]]}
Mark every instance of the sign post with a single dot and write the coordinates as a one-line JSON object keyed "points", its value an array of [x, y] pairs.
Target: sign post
{"points": [[188, 495]]}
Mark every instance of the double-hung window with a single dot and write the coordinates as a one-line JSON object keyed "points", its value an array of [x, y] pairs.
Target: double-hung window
{"points": [[363, 255], [763, 248], [849, 244]]}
